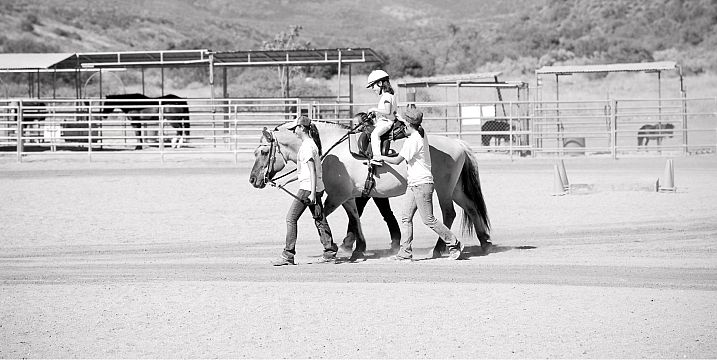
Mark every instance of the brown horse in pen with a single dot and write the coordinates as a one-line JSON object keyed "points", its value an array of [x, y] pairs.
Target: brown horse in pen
{"points": [[655, 132]]}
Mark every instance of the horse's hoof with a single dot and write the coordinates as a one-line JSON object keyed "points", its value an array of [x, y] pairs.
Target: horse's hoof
{"points": [[345, 250], [486, 247], [435, 253], [357, 256], [394, 249]]}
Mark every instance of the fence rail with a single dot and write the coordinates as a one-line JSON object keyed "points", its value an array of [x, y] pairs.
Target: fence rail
{"points": [[613, 128]]}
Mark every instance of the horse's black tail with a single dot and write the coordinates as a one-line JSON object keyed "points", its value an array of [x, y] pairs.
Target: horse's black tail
{"points": [[470, 182]]}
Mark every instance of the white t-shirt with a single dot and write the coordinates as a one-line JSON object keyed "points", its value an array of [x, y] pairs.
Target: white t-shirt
{"points": [[418, 158], [307, 151], [388, 102]]}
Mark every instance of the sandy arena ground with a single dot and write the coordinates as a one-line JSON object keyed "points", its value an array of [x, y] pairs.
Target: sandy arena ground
{"points": [[126, 258]]}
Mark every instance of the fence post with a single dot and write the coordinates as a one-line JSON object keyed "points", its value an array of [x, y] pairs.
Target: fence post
{"points": [[236, 132], [19, 131], [613, 128], [510, 129], [161, 131], [684, 123], [89, 133]]}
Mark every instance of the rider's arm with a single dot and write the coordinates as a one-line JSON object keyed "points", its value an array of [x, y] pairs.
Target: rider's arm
{"points": [[384, 106]]}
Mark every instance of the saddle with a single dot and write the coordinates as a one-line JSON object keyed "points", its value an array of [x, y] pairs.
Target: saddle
{"points": [[360, 142], [360, 145]]}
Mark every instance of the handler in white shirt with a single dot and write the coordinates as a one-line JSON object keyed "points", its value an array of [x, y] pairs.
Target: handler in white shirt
{"points": [[416, 153]]}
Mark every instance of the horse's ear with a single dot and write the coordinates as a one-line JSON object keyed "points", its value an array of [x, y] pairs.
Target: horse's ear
{"points": [[266, 135]]}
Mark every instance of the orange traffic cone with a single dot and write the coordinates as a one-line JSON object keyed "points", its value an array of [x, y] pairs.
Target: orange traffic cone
{"points": [[558, 185], [667, 182], [564, 176]]}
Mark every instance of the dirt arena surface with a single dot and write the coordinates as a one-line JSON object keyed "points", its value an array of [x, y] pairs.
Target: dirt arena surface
{"points": [[126, 257]]}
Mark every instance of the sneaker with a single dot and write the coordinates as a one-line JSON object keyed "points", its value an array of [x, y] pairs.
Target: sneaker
{"points": [[324, 260], [456, 251], [400, 258], [283, 261]]}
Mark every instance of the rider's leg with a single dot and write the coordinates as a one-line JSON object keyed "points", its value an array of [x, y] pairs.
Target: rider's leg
{"points": [[381, 128]]}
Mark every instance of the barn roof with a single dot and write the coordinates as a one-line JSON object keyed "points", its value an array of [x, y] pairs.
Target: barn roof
{"points": [[31, 61], [626, 67], [296, 57], [181, 58], [450, 79], [488, 79]]}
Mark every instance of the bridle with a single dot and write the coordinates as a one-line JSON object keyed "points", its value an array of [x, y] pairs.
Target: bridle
{"points": [[274, 148]]}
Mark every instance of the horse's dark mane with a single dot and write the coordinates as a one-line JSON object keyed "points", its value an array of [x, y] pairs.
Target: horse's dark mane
{"points": [[324, 122]]}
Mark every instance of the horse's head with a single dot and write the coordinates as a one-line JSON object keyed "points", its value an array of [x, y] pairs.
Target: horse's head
{"points": [[669, 127], [364, 118], [269, 158]]}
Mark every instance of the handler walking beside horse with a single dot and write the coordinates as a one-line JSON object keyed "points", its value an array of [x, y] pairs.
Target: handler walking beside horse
{"points": [[415, 152], [311, 189]]}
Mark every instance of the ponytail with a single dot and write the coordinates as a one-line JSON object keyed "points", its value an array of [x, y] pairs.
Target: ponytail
{"points": [[314, 133], [418, 128], [386, 87]]}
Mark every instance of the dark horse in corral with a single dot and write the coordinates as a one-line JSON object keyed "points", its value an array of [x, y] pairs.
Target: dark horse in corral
{"points": [[654, 132], [139, 108], [494, 125]]}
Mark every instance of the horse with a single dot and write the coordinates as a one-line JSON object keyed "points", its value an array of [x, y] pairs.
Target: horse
{"points": [[494, 125], [454, 169], [655, 132], [139, 107]]}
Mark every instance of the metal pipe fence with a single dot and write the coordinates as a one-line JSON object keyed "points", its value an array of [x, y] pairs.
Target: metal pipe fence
{"points": [[616, 128]]}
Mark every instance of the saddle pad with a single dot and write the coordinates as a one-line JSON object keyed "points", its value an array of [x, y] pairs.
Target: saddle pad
{"points": [[355, 146]]}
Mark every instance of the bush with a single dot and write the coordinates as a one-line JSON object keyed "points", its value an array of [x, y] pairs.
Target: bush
{"points": [[26, 26]]}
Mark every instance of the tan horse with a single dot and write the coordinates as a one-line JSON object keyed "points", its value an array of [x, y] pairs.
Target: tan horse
{"points": [[453, 167]]}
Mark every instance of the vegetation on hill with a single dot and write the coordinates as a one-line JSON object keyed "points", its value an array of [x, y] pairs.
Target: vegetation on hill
{"points": [[416, 37]]}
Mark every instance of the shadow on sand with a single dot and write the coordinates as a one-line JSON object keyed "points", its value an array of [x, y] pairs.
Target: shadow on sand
{"points": [[422, 254]]}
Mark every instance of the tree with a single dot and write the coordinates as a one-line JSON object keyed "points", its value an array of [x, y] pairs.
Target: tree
{"points": [[287, 40]]}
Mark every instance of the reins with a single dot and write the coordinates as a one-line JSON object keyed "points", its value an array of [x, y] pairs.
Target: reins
{"points": [[274, 147]]}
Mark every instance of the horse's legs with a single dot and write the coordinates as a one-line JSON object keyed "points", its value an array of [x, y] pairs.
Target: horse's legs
{"points": [[349, 205], [353, 226], [357, 233], [177, 139], [138, 133], [449, 214], [459, 196]]}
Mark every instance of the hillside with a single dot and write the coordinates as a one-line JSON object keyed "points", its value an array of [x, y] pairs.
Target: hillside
{"points": [[80, 25], [417, 37]]}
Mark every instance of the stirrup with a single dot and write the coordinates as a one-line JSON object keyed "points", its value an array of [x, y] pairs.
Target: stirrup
{"points": [[376, 162]]}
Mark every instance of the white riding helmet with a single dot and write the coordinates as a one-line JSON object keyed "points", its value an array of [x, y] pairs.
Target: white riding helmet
{"points": [[374, 76]]}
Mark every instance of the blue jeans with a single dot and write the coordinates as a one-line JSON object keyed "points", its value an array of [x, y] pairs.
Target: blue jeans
{"points": [[317, 210], [420, 197]]}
